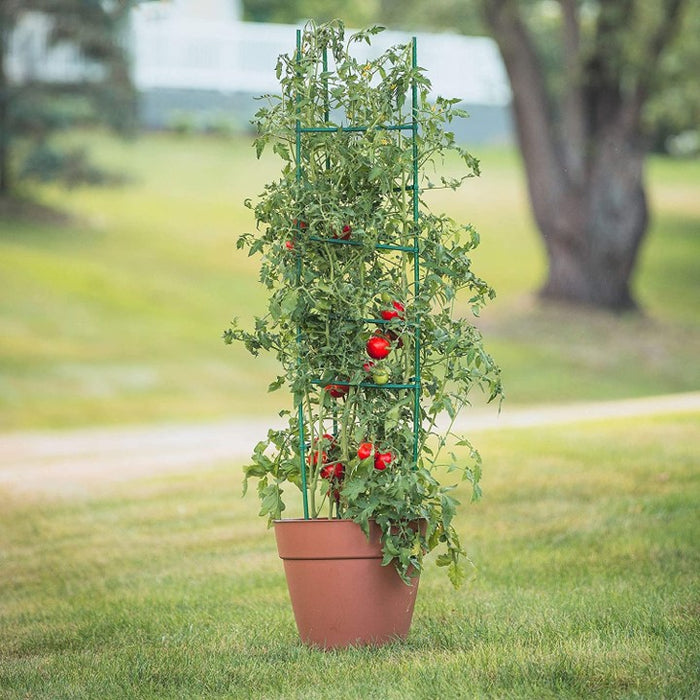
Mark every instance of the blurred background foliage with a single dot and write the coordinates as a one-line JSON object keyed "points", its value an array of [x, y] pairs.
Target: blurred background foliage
{"points": [[35, 107]]}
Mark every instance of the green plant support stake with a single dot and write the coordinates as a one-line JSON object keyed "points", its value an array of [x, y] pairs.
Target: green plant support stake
{"points": [[416, 254], [299, 399]]}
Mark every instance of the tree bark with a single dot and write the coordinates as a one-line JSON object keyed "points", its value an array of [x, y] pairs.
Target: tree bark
{"points": [[593, 240], [584, 156]]}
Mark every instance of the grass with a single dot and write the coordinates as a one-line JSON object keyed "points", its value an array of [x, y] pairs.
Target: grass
{"points": [[118, 317], [586, 585], [115, 315]]}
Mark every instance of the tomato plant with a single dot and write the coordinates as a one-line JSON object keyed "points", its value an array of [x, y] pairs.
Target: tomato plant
{"points": [[349, 199]]}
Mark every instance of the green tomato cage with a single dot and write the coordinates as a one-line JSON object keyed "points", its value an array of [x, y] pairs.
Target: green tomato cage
{"points": [[412, 250]]}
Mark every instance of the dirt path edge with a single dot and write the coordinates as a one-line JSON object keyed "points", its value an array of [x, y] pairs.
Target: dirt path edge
{"points": [[78, 461]]}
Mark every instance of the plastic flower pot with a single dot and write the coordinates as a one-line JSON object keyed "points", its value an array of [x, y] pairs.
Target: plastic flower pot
{"points": [[341, 594]]}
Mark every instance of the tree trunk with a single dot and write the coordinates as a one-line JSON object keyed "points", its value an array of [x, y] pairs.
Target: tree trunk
{"points": [[593, 233], [584, 155]]}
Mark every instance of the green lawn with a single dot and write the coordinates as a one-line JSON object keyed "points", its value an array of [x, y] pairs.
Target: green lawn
{"points": [[585, 586], [116, 316]]}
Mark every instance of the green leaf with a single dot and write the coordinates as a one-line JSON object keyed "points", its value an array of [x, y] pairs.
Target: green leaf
{"points": [[289, 302], [271, 503], [456, 574], [279, 382]]}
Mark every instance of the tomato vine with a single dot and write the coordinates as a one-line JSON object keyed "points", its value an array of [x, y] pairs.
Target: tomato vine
{"points": [[355, 325]]}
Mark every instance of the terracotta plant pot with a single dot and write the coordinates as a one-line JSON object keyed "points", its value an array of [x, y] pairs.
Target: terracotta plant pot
{"points": [[341, 594]]}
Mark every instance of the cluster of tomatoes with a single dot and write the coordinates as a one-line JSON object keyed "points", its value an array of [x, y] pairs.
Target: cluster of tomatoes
{"points": [[382, 342], [330, 468], [381, 459], [333, 470]]}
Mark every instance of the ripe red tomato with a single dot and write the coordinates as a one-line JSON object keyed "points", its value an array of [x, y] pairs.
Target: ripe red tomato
{"points": [[289, 245], [301, 224], [378, 347], [367, 367], [314, 457], [365, 450], [396, 312], [347, 230], [332, 471], [336, 390], [382, 460]]}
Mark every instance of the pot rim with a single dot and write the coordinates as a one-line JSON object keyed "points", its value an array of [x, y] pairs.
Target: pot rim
{"points": [[325, 520], [324, 538], [331, 520]]}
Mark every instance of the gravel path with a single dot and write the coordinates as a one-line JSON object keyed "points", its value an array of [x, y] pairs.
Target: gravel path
{"points": [[74, 462]]}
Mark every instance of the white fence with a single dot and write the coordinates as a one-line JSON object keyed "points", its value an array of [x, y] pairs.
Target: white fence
{"points": [[205, 69], [179, 53]]}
